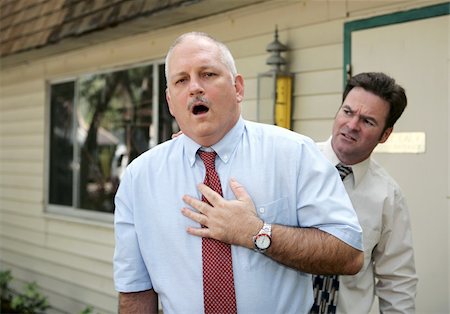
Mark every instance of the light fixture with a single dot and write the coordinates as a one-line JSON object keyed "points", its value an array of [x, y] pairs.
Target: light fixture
{"points": [[274, 88]]}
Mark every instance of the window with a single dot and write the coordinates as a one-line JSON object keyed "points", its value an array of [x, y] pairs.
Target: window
{"points": [[98, 124]]}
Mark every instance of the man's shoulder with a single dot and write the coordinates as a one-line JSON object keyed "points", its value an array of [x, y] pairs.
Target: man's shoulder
{"points": [[275, 133], [321, 145], [158, 152], [380, 173]]}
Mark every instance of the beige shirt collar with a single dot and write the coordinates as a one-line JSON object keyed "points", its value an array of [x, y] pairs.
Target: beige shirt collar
{"points": [[359, 169]]}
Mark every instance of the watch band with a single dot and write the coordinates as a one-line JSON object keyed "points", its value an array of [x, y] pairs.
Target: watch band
{"points": [[266, 229], [263, 239]]}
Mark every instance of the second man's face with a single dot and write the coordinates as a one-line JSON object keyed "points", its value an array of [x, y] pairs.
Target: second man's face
{"points": [[202, 95], [358, 126]]}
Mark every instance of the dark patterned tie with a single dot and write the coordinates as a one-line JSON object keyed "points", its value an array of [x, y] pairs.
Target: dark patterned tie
{"points": [[326, 287], [343, 170], [218, 283]]}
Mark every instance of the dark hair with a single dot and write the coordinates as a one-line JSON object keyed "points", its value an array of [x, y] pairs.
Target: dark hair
{"points": [[384, 87]]}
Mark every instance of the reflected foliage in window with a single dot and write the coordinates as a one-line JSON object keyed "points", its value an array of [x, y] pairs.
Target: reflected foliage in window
{"points": [[114, 123]]}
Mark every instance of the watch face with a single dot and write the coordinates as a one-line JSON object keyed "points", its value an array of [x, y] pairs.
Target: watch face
{"points": [[262, 241]]}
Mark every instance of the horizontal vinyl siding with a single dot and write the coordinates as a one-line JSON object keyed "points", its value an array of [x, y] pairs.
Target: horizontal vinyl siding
{"points": [[315, 60], [21, 144], [72, 285], [70, 260]]}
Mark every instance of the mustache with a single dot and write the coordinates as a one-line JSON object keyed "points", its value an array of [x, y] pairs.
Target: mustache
{"points": [[198, 100]]}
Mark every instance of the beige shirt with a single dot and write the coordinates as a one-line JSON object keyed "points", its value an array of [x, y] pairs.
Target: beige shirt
{"points": [[388, 271]]}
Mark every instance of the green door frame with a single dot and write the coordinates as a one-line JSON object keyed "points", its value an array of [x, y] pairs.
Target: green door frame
{"points": [[387, 19]]}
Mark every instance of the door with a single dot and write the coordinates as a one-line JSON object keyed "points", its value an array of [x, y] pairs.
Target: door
{"points": [[416, 54]]}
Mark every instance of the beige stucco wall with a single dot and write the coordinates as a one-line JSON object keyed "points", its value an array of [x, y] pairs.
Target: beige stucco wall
{"points": [[70, 257]]}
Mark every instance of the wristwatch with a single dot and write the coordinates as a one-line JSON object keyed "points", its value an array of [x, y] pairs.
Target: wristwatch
{"points": [[263, 239]]}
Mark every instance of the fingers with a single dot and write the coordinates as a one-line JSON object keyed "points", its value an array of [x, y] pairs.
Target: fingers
{"points": [[239, 191], [177, 134], [199, 232], [197, 204], [201, 210], [197, 217], [202, 207], [212, 197], [221, 219], [215, 198]]}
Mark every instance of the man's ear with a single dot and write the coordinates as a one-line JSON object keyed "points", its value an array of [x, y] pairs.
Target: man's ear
{"points": [[239, 85], [385, 135]]}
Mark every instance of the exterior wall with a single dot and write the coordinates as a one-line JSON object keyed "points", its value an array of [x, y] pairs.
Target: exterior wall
{"points": [[70, 257], [448, 161]]}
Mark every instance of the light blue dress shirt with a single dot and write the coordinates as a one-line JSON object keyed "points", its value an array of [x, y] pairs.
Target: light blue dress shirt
{"points": [[291, 184]]}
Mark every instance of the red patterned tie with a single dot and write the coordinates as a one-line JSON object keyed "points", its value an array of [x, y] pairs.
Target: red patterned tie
{"points": [[218, 283]]}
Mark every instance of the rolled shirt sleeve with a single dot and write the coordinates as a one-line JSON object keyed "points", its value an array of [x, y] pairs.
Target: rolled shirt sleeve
{"points": [[130, 273]]}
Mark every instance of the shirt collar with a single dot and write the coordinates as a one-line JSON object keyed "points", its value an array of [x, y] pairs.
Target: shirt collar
{"points": [[359, 169], [224, 148]]}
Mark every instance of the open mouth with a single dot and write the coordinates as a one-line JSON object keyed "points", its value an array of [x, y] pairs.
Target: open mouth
{"points": [[199, 109]]}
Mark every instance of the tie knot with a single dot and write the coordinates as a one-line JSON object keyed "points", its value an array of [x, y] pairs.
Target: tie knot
{"points": [[209, 158], [343, 170]]}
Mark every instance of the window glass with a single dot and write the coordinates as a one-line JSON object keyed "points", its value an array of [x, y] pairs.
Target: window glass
{"points": [[61, 144], [113, 123]]}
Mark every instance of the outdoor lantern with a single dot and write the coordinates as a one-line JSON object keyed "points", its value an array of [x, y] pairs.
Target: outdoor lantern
{"points": [[274, 88]]}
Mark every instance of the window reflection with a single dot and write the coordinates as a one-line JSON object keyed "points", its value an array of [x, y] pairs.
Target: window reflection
{"points": [[114, 123], [114, 117]]}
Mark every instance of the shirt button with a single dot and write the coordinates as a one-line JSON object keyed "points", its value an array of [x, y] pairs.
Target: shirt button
{"points": [[262, 210]]}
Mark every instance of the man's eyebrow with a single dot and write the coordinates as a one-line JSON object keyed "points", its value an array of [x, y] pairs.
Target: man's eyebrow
{"points": [[347, 107], [363, 117], [370, 118], [200, 68], [177, 74]]}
